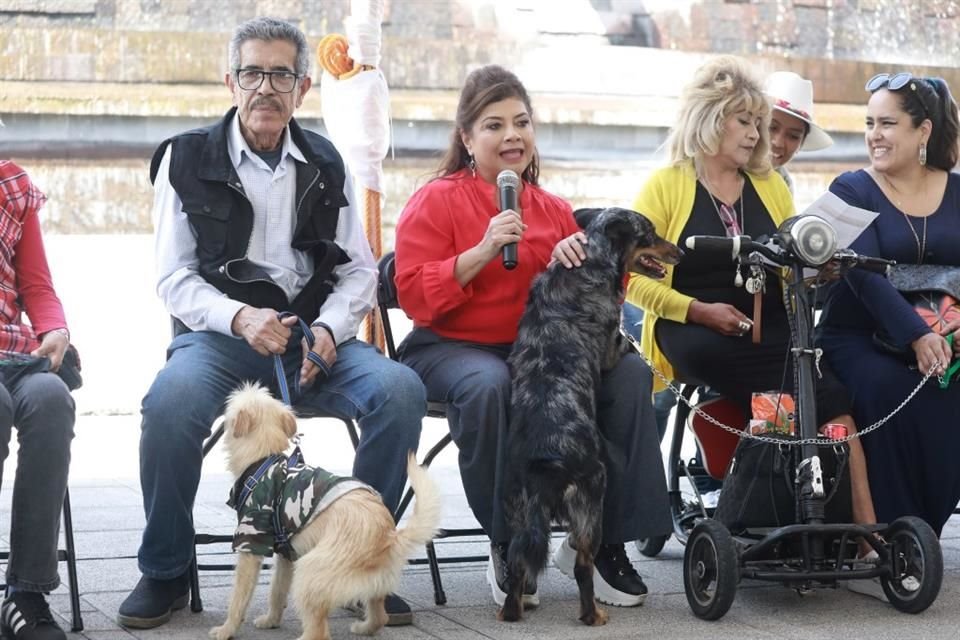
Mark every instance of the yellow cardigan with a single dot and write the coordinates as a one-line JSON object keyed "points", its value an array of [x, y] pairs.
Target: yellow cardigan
{"points": [[667, 201]]}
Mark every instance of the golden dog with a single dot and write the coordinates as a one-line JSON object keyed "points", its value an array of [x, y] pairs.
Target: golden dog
{"points": [[350, 552]]}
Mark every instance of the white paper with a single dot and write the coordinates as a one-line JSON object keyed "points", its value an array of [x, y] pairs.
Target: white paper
{"points": [[848, 221]]}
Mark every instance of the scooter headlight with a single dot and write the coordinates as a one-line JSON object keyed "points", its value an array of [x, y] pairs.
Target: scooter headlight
{"points": [[811, 238]]}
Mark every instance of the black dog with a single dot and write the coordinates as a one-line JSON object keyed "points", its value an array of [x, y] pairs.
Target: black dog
{"points": [[568, 335]]}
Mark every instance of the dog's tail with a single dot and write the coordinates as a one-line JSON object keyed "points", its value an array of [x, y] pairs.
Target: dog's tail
{"points": [[422, 524]]}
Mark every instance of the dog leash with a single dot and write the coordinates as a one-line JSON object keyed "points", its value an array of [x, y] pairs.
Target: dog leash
{"points": [[315, 358]]}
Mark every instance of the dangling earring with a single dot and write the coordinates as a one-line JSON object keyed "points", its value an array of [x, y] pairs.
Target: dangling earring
{"points": [[473, 166], [923, 153]]}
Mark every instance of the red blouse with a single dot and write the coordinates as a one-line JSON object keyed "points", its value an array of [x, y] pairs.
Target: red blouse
{"points": [[449, 216], [24, 273]]}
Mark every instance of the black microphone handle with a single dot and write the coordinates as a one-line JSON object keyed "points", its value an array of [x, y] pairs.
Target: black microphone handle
{"points": [[508, 200], [510, 256]]}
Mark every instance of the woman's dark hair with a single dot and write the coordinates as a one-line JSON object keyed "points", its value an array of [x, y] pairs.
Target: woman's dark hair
{"points": [[932, 100], [483, 87]]}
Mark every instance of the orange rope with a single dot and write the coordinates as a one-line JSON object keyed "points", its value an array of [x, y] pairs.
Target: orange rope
{"points": [[371, 208], [332, 55]]}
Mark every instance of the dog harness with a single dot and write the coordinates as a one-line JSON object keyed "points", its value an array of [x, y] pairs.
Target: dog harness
{"points": [[277, 496]]}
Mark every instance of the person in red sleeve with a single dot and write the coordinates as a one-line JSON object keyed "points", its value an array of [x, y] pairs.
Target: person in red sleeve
{"points": [[38, 402], [466, 307]]}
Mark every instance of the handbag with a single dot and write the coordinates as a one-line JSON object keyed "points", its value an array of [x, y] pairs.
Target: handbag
{"points": [[758, 490], [933, 290], [69, 370]]}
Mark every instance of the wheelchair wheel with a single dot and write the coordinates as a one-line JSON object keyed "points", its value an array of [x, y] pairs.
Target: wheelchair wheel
{"points": [[711, 570], [650, 547], [917, 570]]}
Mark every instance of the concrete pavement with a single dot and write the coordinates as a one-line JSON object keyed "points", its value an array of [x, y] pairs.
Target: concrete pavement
{"points": [[108, 519]]}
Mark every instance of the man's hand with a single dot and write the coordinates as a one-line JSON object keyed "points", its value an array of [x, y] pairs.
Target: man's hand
{"points": [[719, 316], [323, 346], [262, 330], [53, 345]]}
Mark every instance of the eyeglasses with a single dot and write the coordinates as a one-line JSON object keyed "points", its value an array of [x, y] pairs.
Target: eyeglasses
{"points": [[896, 82], [729, 219], [281, 81]]}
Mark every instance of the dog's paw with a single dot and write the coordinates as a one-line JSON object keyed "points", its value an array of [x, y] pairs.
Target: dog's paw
{"points": [[221, 633], [267, 621]]}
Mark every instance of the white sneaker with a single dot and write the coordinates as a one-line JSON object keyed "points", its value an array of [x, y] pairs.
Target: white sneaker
{"points": [[565, 558], [530, 597]]}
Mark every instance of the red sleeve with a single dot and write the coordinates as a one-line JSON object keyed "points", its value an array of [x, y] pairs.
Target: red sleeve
{"points": [[426, 256], [34, 283]]}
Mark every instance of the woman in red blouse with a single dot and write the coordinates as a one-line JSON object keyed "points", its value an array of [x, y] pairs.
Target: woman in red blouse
{"points": [[37, 402], [466, 307]]}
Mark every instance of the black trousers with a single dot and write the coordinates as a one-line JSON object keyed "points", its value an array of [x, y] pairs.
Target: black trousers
{"points": [[736, 368], [474, 381]]}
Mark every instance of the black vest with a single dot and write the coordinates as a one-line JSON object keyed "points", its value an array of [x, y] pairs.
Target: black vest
{"points": [[222, 218]]}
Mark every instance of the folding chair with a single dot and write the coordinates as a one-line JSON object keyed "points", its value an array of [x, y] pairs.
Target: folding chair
{"points": [[386, 300], [68, 555]]}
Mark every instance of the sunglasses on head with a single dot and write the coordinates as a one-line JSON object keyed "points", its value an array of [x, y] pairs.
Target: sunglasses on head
{"points": [[893, 82], [896, 82]]}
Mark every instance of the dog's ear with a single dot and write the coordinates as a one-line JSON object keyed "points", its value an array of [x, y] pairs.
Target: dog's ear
{"points": [[585, 216], [289, 422], [242, 423], [621, 231]]}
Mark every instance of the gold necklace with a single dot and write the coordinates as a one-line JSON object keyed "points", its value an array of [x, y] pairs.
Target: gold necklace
{"points": [[921, 244]]}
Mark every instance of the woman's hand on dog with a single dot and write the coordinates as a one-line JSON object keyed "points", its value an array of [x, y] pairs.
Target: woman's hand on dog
{"points": [[719, 316], [570, 252], [323, 346], [262, 330]]}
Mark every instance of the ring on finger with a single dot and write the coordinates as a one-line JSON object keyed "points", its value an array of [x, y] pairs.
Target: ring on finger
{"points": [[744, 326]]}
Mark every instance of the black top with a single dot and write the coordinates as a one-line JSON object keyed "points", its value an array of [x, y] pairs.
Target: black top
{"points": [[709, 276]]}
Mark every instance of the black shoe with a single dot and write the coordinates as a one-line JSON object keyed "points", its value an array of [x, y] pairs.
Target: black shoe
{"points": [[619, 585], [152, 602], [497, 577], [26, 616], [398, 611]]}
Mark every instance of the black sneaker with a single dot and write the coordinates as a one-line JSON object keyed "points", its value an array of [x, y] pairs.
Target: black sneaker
{"points": [[497, 577], [152, 602], [398, 611], [619, 585], [26, 616]]}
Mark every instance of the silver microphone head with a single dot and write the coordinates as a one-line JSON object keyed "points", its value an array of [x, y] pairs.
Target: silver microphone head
{"points": [[508, 178]]}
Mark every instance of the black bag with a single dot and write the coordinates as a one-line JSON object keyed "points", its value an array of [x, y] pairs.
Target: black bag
{"points": [[933, 290], [758, 490], [70, 368]]}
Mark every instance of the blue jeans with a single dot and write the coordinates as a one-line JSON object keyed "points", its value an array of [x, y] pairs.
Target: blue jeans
{"points": [[41, 407], [386, 398]]}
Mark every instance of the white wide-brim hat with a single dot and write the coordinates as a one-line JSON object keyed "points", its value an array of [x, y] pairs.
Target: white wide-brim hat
{"points": [[793, 95]]}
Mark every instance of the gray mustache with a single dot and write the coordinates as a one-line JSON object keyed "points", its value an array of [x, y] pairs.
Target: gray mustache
{"points": [[266, 102]]}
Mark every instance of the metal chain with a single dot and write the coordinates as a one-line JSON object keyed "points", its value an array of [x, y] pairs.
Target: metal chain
{"points": [[742, 433]]}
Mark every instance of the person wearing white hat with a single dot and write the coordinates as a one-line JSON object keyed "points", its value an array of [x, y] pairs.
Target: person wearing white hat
{"points": [[791, 120]]}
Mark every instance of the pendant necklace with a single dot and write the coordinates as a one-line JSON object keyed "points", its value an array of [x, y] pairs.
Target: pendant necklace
{"points": [[733, 226], [921, 243]]}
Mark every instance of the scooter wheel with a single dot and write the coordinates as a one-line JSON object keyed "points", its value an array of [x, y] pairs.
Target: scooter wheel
{"points": [[917, 565], [711, 570], [650, 547]]}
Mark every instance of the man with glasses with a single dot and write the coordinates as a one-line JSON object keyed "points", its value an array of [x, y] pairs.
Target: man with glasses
{"points": [[254, 216]]}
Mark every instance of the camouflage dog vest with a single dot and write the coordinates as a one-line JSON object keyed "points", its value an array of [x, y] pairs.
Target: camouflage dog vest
{"points": [[278, 496]]}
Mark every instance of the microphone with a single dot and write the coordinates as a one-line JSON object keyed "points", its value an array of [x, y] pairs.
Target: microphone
{"points": [[715, 244], [507, 183]]}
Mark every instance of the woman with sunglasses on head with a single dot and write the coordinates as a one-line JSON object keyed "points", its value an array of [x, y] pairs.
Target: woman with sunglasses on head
{"points": [[466, 306], [792, 127], [700, 319], [911, 137]]}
